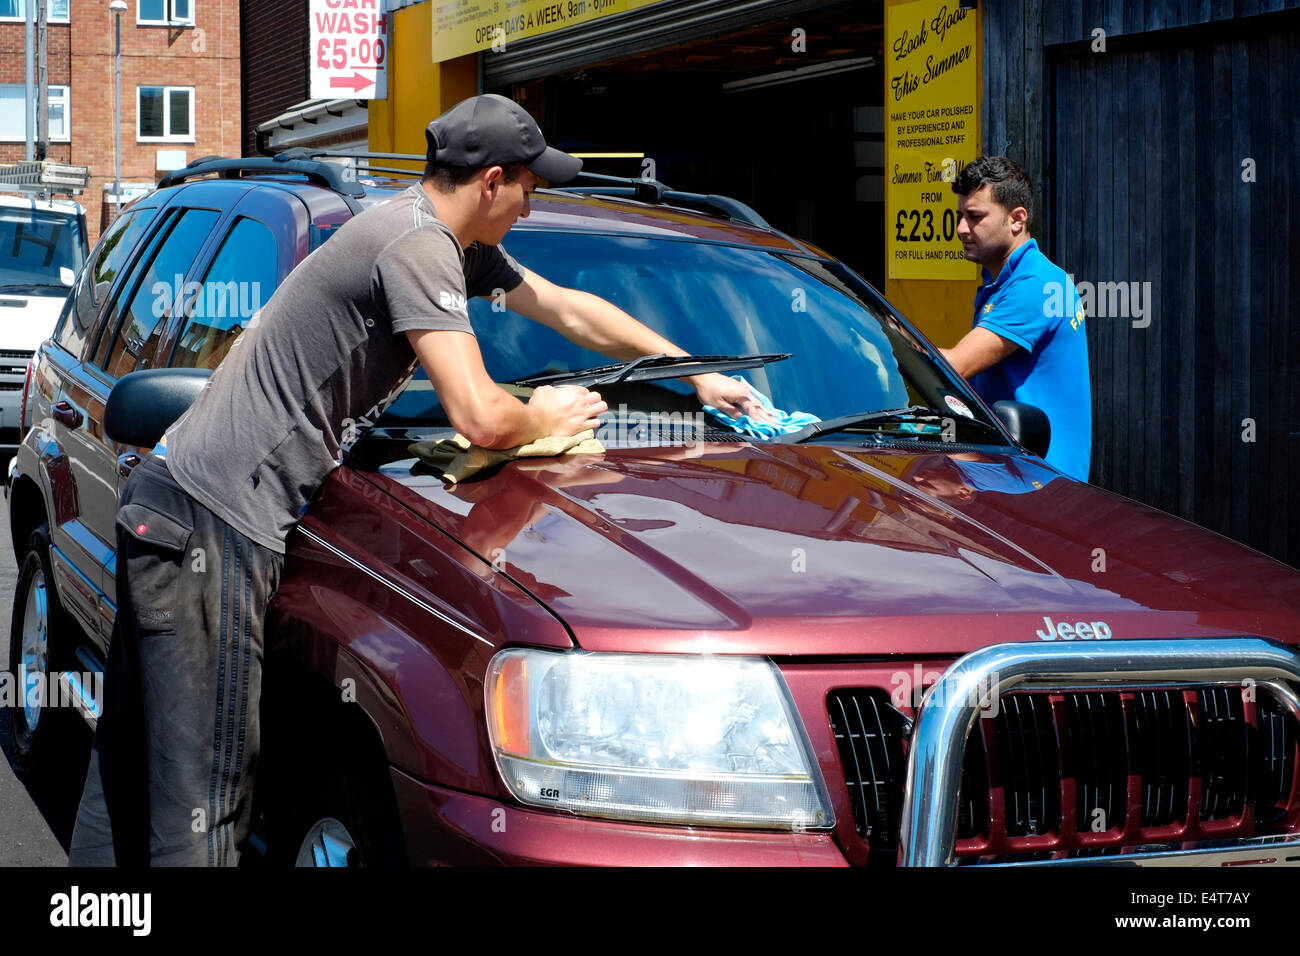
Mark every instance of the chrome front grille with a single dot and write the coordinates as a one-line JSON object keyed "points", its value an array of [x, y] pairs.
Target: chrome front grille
{"points": [[1086, 773]]}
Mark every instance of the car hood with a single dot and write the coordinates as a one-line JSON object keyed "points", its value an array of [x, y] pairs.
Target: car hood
{"points": [[834, 549], [27, 320]]}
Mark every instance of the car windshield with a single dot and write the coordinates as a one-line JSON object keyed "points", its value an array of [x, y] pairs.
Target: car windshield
{"points": [[39, 248], [849, 354]]}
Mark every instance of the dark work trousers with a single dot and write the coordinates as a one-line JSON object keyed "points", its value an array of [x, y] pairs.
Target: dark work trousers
{"points": [[171, 772]]}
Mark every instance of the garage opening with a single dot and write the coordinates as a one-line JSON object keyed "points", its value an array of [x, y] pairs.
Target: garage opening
{"points": [[786, 116]]}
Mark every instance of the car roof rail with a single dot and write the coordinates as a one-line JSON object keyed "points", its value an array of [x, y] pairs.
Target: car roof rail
{"points": [[368, 166], [645, 190], [654, 192], [329, 175], [650, 191]]}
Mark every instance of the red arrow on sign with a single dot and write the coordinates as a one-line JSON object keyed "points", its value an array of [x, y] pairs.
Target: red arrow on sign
{"points": [[356, 82]]}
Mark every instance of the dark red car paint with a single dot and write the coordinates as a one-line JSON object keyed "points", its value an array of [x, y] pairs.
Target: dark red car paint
{"points": [[847, 565], [896, 574]]}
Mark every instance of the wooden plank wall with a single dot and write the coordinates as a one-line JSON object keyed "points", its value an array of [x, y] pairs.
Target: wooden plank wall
{"points": [[1139, 154]]}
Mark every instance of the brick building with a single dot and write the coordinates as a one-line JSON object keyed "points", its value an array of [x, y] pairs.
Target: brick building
{"points": [[279, 112], [276, 65], [180, 89]]}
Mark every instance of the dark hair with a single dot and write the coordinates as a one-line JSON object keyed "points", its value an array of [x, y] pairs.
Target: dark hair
{"points": [[1011, 184], [448, 179]]}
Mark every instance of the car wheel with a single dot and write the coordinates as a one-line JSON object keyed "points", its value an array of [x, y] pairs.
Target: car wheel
{"points": [[328, 843], [333, 807], [36, 643]]}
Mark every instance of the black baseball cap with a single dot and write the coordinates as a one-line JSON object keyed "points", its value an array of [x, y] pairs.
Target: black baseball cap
{"points": [[491, 130]]}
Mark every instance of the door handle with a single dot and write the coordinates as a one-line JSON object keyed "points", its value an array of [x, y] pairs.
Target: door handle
{"points": [[126, 463], [65, 414]]}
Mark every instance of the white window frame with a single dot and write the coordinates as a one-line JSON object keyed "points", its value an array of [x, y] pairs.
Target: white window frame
{"points": [[65, 97], [50, 18], [65, 100], [169, 13], [167, 114]]}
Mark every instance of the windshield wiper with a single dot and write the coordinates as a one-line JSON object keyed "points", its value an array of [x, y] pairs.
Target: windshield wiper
{"points": [[647, 368], [912, 413], [15, 286]]}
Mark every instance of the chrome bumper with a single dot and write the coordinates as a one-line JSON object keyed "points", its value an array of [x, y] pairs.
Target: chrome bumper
{"points": [[951, 707], [1256, 851]]}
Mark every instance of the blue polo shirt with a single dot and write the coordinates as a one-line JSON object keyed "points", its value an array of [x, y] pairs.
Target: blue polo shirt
{"points": [[1034, 304]]}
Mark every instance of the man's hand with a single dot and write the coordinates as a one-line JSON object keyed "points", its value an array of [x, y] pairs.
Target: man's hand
{"points": [[484, 412], [730, 397], [978, 350], [567, 409]]}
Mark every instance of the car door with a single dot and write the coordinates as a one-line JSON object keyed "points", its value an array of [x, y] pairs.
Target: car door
{"points": [[80, 555], [253, 256], [244, 261], [128, 338]]}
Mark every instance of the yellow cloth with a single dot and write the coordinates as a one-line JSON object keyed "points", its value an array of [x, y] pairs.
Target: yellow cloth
{"points": [[457, 459]]}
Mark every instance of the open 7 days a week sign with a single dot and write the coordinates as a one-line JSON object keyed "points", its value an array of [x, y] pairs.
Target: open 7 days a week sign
{"points": [[468, 26]]}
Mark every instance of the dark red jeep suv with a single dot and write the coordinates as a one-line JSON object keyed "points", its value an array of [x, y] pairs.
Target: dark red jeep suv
{"points": [[892, 636]]}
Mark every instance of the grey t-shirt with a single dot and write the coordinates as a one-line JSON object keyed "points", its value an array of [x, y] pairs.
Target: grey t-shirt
{"points": [[323, 358]]}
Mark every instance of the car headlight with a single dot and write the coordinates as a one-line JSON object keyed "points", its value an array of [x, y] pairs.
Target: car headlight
{"points": [[659, 738]]}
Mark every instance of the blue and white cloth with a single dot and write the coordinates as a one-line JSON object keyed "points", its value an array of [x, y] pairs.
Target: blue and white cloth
{"points": [[786, 422]]}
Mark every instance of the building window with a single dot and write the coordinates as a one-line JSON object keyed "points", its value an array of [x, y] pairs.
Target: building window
{"points": [[165, 11], [166, 113], [56, 11], [13, 113]]}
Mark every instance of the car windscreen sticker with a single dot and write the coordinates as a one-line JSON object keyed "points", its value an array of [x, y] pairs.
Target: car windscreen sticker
{"points": [[957, 405]]}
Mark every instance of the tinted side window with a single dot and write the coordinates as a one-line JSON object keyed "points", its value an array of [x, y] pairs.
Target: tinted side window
{"points": [[241, 279], [98, 275], [159, 290]]}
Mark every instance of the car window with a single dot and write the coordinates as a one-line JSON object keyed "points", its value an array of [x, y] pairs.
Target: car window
{"points": [[39, 246], [158, 292], [93, 284], [242, 277], [850, 354]]}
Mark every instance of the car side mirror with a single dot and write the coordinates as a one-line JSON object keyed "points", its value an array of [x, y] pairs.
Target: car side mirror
{"points": [[1028, 425], [143, 405]]}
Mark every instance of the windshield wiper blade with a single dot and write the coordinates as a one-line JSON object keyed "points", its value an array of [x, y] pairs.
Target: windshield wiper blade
{"points": [[648, 368], [14, 286], [912, 413]]}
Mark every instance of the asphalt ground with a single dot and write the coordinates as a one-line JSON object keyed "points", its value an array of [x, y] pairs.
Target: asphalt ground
{"points": [[37, 812]]}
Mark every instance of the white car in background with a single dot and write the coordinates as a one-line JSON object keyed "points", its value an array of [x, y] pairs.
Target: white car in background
{"points": [[42, 248]]}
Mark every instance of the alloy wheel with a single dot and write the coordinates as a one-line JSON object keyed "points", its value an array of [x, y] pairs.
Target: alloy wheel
{"points": [[35, 651], [328, 843]]}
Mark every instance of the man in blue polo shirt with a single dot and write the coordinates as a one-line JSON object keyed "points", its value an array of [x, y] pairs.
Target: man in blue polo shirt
{"points": [[1028, 343]]}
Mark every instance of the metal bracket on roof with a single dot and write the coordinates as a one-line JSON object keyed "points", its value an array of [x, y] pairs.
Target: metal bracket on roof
{"points": [[656, 193], [44, 178], [291, 161]]}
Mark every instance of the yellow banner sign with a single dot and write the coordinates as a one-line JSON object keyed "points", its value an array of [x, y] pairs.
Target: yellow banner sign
{"points": [[932, 90], [468, 26]]}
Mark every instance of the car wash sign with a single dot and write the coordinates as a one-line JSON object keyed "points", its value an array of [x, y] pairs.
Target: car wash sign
{"points": [[349, 50], [470, 26], [932, 88]]}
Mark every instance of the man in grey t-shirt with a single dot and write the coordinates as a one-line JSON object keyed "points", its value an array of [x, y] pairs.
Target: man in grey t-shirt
{"points": [[179, 735]]}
